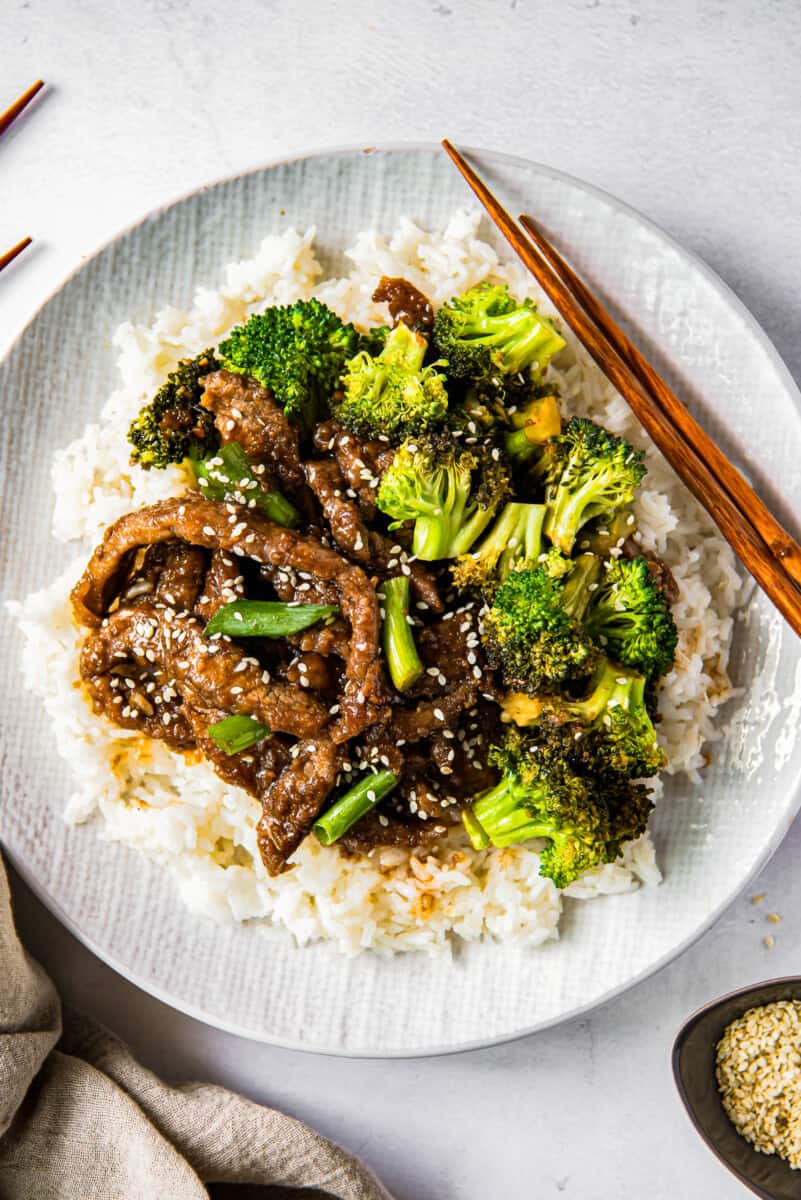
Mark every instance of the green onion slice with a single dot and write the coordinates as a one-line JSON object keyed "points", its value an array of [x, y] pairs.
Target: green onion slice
{"points": [[266, 618], [228, 475], [350, 808], [237, 733]]}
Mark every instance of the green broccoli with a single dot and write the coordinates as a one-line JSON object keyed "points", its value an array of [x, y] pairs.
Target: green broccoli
{"points": [[542, 799], [590, 473], [631, 618], [534, 424], [515, 538], [487, 334], [533, 633], [392, 393], [173, 426], [451, 492], [610, 729], [298, 351]]}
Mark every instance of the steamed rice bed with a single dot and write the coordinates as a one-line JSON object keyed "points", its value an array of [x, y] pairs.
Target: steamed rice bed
{"points": [[176, 810]]}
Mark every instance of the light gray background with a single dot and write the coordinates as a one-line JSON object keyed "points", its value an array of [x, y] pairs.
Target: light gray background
{"points": [[689, 111]]}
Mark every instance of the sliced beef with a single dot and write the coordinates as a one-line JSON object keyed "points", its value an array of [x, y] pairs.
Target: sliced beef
{"points": [[375, 551], [245, 412], [292, 802], [181, 576], [405, 302], [223, 583], [206, 523], [206, 674]]}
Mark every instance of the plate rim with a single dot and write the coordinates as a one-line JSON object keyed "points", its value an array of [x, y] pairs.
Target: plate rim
{"points": [[741, 311]]}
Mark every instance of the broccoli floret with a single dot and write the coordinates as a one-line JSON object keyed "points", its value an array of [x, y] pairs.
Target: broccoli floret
{"points": [[613, 733], [539, 798], [173, 426], [590, 473], [487, 334], [631, 618], [629, 806], [534, 424], [451, 492], [393, 393], [533, 632], [516, 537], [298, 351]]}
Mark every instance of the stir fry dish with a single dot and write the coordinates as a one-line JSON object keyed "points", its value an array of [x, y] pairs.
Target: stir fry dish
{"points": [[401, 591]]}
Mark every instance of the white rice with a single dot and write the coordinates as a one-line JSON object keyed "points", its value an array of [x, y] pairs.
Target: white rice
{"points": [[203, 830]]}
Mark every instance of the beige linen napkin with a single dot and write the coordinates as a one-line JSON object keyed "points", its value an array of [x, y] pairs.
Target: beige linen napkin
{"points": [[80, 1119]]}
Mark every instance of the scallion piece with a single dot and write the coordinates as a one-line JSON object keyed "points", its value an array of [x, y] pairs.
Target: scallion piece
{"points": [[350, 808], [237, 733], [228, 475], [397, 640], [266, 618]]}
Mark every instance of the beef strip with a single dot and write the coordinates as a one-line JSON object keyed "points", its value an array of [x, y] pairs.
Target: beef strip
{"points": [[328, 640], [366, 546], [370, 832], [362, 461], [414, 724], [406, 303], [205, 673], [292, 802], [181, 576], [245, 412], [223, 583], [254, 769], [207, 523]]}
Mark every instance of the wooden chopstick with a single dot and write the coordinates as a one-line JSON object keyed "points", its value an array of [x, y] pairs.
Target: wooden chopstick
{"points": [[781, 544], [10, 115], [734, 524], [11, 254]]}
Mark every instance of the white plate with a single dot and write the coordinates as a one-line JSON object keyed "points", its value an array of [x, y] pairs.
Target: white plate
{"points": [[126, 909]]}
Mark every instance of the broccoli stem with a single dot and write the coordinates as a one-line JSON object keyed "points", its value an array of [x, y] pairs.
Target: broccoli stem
{"points": [[350, 808], [580, 585], [465, 535], [430, 539], [397, 640], [518, 535], [499, 817], [611, 686], [228, 474]]}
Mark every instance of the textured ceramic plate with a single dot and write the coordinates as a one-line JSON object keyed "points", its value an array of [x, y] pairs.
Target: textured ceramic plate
{"points": [[126, 909]]}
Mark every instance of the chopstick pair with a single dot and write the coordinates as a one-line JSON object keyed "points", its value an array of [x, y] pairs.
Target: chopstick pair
{"points": [[6, 121], [764, 547]]}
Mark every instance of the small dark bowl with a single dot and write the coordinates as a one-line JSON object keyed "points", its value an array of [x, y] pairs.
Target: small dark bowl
{"points": [[694, 1070]]}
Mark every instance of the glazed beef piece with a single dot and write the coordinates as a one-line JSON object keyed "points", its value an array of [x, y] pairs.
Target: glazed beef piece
{"points": [[245, 412], [207, 523], [291, 803], [406, 303], [206, 674]]}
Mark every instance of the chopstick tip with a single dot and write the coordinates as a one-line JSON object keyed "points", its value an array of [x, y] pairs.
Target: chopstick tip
{"points": [[11, 254]]}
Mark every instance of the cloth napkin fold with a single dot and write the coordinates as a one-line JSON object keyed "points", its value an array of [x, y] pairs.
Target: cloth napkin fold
{"points": [[80, 1119]]}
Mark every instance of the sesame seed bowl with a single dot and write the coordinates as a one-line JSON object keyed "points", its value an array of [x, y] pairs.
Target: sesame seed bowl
{"points": [[694, 1070]]}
